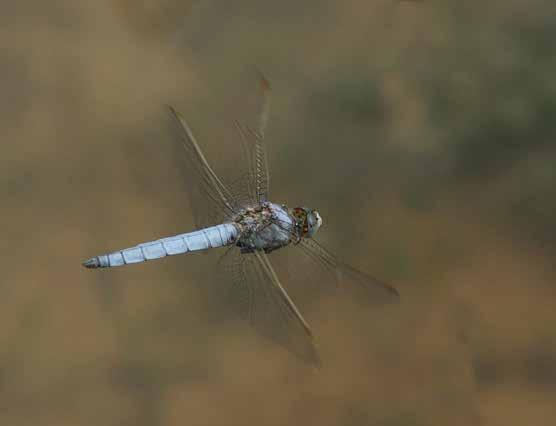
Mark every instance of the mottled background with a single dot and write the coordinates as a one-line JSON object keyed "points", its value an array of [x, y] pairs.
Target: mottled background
{"points": [[422, 130]]}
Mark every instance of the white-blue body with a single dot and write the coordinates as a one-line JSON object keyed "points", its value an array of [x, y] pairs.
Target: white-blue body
{"points": [[267, 227], [215, 236]]}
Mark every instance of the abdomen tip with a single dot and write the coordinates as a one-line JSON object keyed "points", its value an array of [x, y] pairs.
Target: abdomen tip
{"points": [[91, 263]]}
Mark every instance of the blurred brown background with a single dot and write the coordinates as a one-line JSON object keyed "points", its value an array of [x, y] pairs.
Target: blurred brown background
{"points": [[430, 132]]}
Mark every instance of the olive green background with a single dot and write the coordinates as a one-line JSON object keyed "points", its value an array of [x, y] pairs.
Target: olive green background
{"points": [[424, 133]]}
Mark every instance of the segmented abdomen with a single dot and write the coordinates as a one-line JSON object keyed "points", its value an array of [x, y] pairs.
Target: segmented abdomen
{"points": [[214, 236]]}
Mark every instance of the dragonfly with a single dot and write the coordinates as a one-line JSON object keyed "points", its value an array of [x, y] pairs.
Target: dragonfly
{"points": [[241, 218]]}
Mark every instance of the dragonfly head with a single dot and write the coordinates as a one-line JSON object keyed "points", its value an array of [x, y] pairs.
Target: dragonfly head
{"points": [[314, 221], [308, 220]]}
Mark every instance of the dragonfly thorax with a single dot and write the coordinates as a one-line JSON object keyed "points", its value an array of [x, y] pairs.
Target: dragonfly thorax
{"points": [[267, 227]]}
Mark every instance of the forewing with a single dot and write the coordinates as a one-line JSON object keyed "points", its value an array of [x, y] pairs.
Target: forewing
{"points": [[254, 147], [211, 201], [347, 276], [255, 293]]}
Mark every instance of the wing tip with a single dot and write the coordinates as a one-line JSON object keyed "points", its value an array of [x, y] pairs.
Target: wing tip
{"points": [[394, 292], [171, 109], [179, 119], [265, 83], [315, 361]]}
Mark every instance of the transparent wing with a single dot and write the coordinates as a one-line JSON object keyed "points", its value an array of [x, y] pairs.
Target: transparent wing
{"points": [[347, 276], [257, 181], [211, 200], [343, 274], [254, 291]]}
